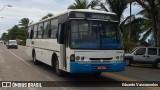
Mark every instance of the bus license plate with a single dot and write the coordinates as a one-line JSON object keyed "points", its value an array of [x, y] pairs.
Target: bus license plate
{"points": [[101, 68]]}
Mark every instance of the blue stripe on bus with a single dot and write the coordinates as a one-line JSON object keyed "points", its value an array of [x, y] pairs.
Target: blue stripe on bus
{"points": [[77, 67]]}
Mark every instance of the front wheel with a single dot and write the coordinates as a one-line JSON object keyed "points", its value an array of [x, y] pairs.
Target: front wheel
{"points": [[58, 71]]}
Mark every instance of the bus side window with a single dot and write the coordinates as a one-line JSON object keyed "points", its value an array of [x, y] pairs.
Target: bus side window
{"points": [[35, 31], [46, 29], [54, 28]]}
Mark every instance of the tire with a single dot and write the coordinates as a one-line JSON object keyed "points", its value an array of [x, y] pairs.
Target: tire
{"points": [[35, 61], [58, 71], [128, 62], [158, 64]]}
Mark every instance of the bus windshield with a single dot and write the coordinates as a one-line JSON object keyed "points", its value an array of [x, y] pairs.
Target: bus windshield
{"points": [[95, 35]]}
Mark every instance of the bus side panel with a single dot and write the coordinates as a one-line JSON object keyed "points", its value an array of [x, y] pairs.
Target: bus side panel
{"points": [[38, 54], [28, 47], [47, 57], [29, 51]]}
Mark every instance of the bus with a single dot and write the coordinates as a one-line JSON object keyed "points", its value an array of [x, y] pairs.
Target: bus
{"points": [[78, 41]]}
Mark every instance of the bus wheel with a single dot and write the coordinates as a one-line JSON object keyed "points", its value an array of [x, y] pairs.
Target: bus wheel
{"points": [[35, 61], [58, 71]]}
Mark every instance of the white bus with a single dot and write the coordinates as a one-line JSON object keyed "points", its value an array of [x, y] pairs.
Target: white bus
{"points": [[78, 41]]}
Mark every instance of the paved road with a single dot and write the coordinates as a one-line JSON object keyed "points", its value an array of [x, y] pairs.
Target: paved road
{"points": [[16, 65]]}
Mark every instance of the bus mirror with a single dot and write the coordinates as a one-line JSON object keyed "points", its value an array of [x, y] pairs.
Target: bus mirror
{"points": [[60, 34]]}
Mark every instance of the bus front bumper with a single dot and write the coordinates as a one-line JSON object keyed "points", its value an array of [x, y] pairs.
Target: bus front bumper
{"points": [[82, 67]]}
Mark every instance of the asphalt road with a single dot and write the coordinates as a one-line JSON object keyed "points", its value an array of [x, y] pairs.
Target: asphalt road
{"points": [[16, 65]]}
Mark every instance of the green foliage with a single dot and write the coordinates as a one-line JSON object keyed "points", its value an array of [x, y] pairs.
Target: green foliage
{"points": [[23, 23], [150, 12], [83, 4], [79, 4], [4, 37], [47, 16], [22, 43], [13, 33], [118, 7], [17, 32]]}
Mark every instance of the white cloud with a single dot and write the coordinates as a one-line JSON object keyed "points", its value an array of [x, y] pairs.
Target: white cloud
{"points": [[32, 9]]}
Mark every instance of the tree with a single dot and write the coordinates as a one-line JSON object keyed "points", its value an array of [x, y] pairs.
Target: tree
{"points": [[13, 32], [47, 16], [24, 23], [83, 4], [4, 37], [79, 4], [116, 6], [136, 26], [151, 7]]}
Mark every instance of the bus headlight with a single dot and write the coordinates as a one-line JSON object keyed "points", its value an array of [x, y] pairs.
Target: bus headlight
{"points": [[82, 58], [77, 57], [72, 58], [117, 57]]}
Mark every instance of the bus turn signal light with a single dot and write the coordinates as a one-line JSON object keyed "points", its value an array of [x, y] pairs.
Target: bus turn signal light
{"points": [[72, 58]]}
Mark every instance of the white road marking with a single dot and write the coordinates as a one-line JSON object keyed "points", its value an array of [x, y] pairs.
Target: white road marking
{"points": [[19, 58]]}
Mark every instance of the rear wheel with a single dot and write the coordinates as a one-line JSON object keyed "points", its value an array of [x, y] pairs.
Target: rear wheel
{"points": [[128, 62], [35, 61]]}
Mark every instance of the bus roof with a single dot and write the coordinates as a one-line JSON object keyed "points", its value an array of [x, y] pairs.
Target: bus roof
{"points": [[78, 10]]}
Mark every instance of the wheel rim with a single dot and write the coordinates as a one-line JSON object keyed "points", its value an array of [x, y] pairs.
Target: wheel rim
{"points": [[127, 62], [158, 65]]}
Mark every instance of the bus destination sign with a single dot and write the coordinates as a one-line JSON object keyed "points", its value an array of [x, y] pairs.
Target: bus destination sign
{"points": [[93, 16], [100, 16]]}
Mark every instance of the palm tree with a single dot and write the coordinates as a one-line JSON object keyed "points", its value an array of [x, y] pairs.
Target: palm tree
{"points": [[116, 6], [146, 24], [151, 8], [79, 4], [48, 15], [83, 4], [24, 23], [22, 32], [135, 26]]}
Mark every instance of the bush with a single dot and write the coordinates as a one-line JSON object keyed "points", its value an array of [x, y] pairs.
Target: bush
{"points": [[22, 43]]}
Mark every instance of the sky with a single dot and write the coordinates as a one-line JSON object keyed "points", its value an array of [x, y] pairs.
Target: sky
{"points": [[34, 10]]}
